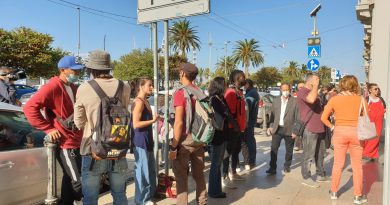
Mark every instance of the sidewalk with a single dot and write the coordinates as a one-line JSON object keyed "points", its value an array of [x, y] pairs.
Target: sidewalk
{"points": [[282, 189]]}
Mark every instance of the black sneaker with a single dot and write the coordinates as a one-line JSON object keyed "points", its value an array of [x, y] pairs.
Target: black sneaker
{"points": [[219, 196], [271, 171]]}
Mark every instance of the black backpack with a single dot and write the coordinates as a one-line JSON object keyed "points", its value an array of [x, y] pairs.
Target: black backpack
{"points": [[111, 135]]}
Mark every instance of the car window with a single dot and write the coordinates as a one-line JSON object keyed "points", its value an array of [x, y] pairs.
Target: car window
{"points": [[17, 133]]}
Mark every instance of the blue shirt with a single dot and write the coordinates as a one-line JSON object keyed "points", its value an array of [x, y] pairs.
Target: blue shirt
{"points": [[143, 137]]}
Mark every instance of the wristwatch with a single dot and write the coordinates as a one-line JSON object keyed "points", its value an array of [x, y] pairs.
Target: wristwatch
{"points": [[172, 148]]}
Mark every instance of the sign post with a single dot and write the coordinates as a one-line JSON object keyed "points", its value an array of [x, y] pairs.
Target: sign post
{"points": [[151, 11]]}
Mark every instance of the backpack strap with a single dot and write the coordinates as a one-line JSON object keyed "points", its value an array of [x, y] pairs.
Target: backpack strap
{"points": [[119, 90], [99, 91], [199, 95]]}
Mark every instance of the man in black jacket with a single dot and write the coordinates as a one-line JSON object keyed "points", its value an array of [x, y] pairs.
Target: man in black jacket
{"points": [[284, 113], [7, 87]]}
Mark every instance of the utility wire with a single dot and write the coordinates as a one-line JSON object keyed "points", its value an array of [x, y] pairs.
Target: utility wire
{"points": [[100, 11], [94, 13]]}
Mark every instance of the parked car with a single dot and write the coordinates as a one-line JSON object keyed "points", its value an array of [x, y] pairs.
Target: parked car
{"points": [[23, 165], [265, 105], [23, 89], [275, 91], [26, 97]]}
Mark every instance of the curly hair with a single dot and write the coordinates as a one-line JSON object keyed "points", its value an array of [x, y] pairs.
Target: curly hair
{"points": [[350, 83]]}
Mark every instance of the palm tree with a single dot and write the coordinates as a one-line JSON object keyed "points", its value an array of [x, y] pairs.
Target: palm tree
{"points": [[247, 52], [304, 71], [230, 65], [292, 70], [183, 37], [207, 74]]}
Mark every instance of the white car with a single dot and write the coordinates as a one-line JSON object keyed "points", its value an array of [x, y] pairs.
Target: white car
{"points": [[23, 159]]}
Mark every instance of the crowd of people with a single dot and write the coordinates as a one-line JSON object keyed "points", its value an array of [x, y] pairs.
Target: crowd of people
{"points": [[313, 120]]}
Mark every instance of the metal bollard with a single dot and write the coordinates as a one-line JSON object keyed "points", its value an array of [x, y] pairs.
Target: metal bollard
{"points": [[264, 122], [51, 197]]}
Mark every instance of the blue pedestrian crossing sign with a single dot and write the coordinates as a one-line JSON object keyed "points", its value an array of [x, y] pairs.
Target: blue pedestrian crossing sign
{"points": [[314, 51], [338, 74], [313, 64]]}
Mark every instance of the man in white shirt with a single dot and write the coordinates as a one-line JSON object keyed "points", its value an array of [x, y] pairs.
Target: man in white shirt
{"points": [[284, 114]]}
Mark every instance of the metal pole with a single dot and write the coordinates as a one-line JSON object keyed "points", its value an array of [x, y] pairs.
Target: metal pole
{"points": [[78, 45], [151, 36], [155, 91], [315, 25], [386, 160], [225, 57], [104, 42], [166, 97], [51, 197]]}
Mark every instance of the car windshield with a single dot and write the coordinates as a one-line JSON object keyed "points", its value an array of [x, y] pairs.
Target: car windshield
{"points": [[15, 131]]}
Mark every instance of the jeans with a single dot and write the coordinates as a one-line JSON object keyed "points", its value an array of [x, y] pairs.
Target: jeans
{"points": [[145, 175], [313, 150], [233, 148], [91, 175], [289, 143], [216, 154], [251, 144]]}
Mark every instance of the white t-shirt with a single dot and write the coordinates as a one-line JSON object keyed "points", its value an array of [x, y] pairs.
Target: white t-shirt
{"points": [[70, 92]]}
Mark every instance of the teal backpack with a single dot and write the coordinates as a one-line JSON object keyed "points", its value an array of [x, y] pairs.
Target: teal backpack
{"points": [[201, 123]]}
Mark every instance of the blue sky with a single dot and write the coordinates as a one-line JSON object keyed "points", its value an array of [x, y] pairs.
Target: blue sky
{"points": [[271, 22]]}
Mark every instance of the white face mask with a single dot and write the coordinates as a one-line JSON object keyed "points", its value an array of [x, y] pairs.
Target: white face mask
{"points": [[285, 93]]}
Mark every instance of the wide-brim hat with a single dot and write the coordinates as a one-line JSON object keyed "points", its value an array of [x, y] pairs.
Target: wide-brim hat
{"points": [[99, 60]]}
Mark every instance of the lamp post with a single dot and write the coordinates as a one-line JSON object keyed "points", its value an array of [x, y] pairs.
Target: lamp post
{"points": [[78, 44], [226, 43]]}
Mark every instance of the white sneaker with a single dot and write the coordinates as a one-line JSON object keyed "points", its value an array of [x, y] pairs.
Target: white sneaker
{"points": [[238, 169], [150, 203], [228, 183], [78, 202], [247, 167], [237, 177]]}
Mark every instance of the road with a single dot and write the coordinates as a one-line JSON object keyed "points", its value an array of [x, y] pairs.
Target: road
{"points": [[282, 189]]}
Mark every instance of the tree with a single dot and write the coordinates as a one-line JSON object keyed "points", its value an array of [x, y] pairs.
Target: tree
{"points": [[304, 71], [200, 75], [230, 66], [291, 74], [183, 37], [207, 74], [138, 63], [174, 62], [31, 51], [266, 77], [324, 73], [247, 52]]}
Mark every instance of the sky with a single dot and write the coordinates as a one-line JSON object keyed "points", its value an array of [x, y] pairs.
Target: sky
{"points": [[281, 27]]}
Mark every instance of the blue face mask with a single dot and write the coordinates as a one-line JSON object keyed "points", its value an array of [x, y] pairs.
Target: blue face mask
{"points": [[72, 78]]}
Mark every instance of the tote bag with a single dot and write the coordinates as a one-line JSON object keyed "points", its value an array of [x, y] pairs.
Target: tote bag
{"points": [[366, 129]]}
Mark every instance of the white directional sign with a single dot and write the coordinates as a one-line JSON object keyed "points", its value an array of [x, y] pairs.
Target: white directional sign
{"points": [[157, 10]]}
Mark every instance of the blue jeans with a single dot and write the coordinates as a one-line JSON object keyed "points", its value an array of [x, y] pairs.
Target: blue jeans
{"points": [[216, 154], [251, 143], [91, 176], [145, 175]]}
